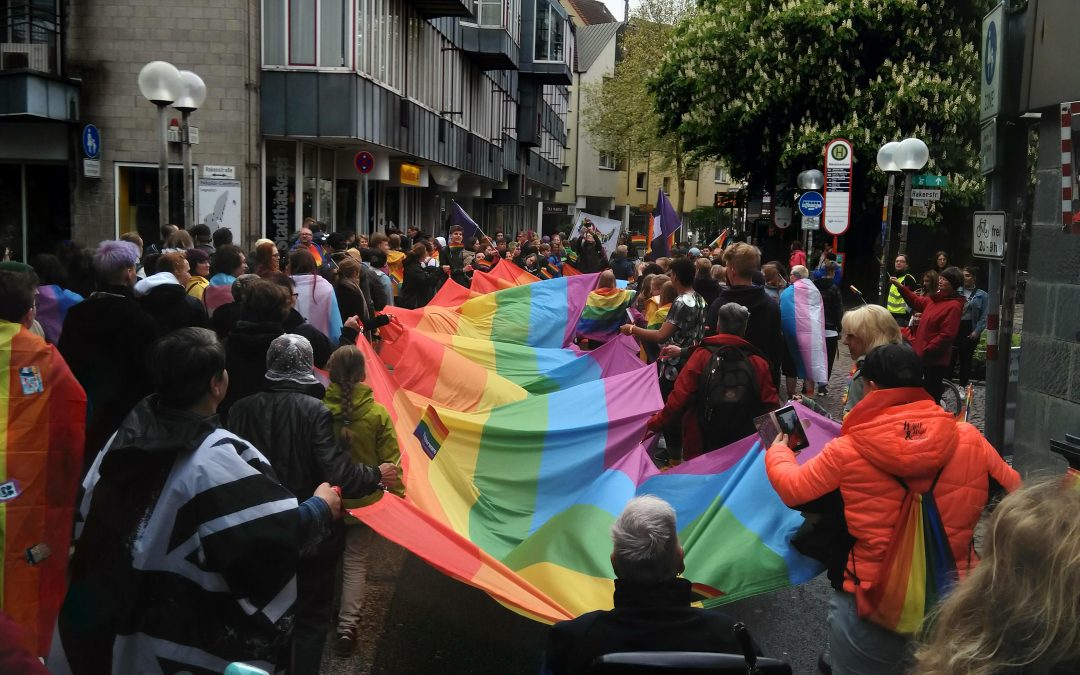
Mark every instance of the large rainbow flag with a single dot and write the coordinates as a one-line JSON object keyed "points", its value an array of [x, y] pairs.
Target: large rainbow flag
{"points": [[519, 452], [43, 418]]}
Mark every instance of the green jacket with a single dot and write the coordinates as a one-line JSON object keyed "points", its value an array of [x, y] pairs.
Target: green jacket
{"points": [[373, 439]]}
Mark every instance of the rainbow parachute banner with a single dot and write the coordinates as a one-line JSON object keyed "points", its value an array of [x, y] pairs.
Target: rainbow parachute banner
{"points": [[520, 451]]}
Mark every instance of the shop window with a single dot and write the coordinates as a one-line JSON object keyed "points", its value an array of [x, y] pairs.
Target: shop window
{"points": [[137, 200]]}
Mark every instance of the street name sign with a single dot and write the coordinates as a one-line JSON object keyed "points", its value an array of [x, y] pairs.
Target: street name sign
{"points": [[838, 159], [988, 230], [923, 195]]}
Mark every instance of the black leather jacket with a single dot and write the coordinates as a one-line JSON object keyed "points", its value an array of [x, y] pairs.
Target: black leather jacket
{"points": [[289, 424]]}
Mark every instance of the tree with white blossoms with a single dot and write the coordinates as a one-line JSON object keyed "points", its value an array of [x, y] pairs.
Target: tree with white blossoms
{"points": [[619, 112], [764, 85]]}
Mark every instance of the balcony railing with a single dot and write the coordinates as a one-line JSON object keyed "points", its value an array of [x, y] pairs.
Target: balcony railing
{"points": [[30, 39]]}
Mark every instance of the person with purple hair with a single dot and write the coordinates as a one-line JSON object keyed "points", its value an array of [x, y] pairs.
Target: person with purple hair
{"points": [[104, 341]]}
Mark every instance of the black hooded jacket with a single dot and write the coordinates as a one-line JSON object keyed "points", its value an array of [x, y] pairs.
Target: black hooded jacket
{"points": [[763, 328]]}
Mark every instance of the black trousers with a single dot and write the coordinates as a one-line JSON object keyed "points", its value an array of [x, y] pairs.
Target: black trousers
{"points": [[965, 348], [832, 344], [933, 380], [315, 579]]}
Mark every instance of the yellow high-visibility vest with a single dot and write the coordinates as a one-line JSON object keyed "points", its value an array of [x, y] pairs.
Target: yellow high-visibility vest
{"points": [[896, 301]]}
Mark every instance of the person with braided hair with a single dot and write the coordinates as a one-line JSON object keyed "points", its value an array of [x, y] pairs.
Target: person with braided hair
{"points": [[364, 430]]}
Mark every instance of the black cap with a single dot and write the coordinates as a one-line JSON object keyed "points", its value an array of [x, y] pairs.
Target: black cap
{"points": [[893, 366]]}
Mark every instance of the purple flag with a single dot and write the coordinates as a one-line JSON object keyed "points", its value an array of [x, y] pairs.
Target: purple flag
{"points": [[459, 217], [663, 223]]}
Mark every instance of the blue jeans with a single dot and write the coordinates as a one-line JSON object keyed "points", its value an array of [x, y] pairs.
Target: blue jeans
{"points": [[861, 647]]}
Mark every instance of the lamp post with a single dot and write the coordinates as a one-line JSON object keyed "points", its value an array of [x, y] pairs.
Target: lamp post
{"points": [[811, 179], [191, 100], [886, 161], [161, 84], [911, 156]]}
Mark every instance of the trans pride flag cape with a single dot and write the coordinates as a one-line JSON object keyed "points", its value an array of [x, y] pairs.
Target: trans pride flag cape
{"points": [[42, 422], [53, 304], [802, 317], [519, 452]]}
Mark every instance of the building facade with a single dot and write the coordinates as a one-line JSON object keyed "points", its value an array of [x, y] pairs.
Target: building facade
{"points": [[591, 175], [642, 181], [362, 114]]}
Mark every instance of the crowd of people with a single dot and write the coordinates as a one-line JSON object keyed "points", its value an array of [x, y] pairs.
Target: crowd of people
{"points": [[229, 427]]}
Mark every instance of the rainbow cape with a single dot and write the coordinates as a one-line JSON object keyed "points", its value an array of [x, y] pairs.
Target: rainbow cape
{"points": [[43, 415], [519, 452], [802, 318], [656, 321], [604, 311]]}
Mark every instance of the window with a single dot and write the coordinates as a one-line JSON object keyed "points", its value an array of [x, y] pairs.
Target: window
{"points": [[489, 13], [667, 185], [550, 35], [307, 33], [639, 182], [607, 160], [718, 176], [380, 32]]}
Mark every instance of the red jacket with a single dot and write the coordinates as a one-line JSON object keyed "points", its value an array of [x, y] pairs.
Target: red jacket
{"points": [[896, 432], [681, 402], [938, 326], [797, 258]]}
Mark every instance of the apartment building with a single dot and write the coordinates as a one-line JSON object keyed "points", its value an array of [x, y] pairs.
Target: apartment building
{"points": [[450, 99]]}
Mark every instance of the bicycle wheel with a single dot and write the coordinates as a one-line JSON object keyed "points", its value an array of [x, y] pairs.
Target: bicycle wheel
{"points": [[951, 399]]}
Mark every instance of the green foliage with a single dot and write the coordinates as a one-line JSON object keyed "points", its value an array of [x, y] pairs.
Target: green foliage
{"points": [[765, 84]]}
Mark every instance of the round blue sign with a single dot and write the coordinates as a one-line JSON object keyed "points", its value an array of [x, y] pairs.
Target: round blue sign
{"points": [[364, 161], [91, 141], [990, 60], [811, 204]]}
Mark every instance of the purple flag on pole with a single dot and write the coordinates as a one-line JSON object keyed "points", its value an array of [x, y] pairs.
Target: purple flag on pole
{"points": [[459, 217], [664, 223]]}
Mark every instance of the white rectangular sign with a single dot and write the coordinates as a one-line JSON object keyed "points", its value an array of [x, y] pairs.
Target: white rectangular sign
{"points": [[91, 168], [988, 147], [837, 215], [811, 222], [607, 228], [988, 235], [220, 205], [925, 195], [219, 172]]}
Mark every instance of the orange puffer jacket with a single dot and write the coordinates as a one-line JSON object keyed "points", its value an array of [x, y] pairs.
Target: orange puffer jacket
{"points": [[896, 432]]}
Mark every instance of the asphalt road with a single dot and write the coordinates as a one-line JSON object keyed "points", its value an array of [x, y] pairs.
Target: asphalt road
{"points": [[419, 621]]}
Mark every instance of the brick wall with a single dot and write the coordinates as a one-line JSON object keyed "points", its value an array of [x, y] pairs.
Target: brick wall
{"points": [[108, 42], [1049, 393]]}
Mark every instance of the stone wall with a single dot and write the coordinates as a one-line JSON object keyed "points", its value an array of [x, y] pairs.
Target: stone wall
{"points": [[1049, 391], [108, 42]]}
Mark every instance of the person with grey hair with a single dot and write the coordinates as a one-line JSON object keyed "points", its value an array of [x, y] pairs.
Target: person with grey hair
{"points": [[725, 384], [104, 340], [290, 424], [652, 602]]}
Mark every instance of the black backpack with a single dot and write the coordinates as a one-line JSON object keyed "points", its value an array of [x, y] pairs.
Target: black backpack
{"points": [[729, 397]]}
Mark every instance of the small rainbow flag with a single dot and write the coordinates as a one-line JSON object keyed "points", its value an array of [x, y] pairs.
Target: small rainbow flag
{"points": [[569, 270], [638, 240], [432, 432], [721, 240], [604, 312]]}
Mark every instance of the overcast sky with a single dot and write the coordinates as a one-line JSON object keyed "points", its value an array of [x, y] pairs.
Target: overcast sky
{"points": [[616, 8]]}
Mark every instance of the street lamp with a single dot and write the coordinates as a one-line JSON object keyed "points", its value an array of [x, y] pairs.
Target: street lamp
{"points": [[886, 161], [161, 84], [191, 100], [911, 156], [811, 179]]}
